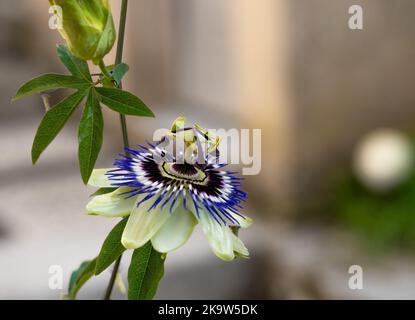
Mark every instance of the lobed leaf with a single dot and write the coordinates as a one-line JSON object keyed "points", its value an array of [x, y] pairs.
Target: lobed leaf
{"points": [[53, 122], [145, 272], [78, 67], [50, 81], [90, 135], [79, 277], [112, 247], [123, 102], [119, 72]]}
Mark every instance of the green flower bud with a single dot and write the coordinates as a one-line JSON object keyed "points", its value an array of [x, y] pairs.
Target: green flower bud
{"points": [[87, 27]]}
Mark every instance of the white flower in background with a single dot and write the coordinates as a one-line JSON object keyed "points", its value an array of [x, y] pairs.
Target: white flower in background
{"points": [[383, 159], [166, 199]]}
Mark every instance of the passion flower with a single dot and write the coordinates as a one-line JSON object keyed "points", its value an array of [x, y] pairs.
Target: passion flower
{"points": [[166, 199]]}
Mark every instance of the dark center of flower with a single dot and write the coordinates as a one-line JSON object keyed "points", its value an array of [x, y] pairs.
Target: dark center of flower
{"points": [[183, 171]]}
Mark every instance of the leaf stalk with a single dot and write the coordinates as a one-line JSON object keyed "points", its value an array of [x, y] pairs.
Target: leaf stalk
{"points": [[123, 124]]}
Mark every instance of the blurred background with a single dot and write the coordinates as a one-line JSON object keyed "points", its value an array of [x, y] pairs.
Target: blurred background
{"points": [[337, 112]]}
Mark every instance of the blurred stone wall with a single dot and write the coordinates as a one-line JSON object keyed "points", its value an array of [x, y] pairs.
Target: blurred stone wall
{"points": [[346, 82]]}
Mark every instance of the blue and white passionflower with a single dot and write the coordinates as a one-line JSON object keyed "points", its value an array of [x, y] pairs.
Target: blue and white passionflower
{"points": [[166, 199]]}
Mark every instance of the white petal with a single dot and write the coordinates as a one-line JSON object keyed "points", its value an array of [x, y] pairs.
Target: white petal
{"points": [[99, 179], [218, 236], [111, 204], [244, 222], [238, 246], [175, 232], [142, 225], [190, 205]]}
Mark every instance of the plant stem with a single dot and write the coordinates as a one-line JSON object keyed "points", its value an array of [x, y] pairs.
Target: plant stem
{"points": [[45, 98], [118, 60], [123, 123], [112, 279], [104, 69]]}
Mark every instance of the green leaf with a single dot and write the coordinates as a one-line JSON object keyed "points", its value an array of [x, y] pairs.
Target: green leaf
{"points": [[101, 191], [53, 122], [112, 247], [79, 277], [90, 136], [50, 81], [145, 272], [123, 102], [107, 82], [79, 68], [119, 72]]}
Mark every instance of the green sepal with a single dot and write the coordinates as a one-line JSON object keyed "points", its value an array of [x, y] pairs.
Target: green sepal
{"points": [[101, 191]]}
